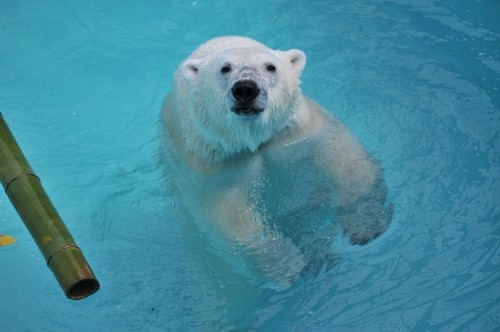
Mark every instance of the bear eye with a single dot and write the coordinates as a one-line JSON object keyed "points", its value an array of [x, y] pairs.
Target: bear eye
{"points": [[226, 69], [271, 68]]}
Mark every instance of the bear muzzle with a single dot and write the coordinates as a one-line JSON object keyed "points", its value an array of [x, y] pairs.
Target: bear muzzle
{"points": [[247, 98]]}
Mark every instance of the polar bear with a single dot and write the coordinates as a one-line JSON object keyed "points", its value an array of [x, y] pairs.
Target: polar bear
{"points": [[262, 164]]}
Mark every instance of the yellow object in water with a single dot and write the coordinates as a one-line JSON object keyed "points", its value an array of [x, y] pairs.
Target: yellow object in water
{"points": [[5, 240]]}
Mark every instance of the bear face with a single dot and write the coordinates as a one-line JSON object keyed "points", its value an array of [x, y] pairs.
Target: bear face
{"points": [[242, 89], [244, 76]]}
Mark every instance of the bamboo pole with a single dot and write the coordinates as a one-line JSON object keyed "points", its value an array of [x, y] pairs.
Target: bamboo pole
{"points": [[58, 247]]}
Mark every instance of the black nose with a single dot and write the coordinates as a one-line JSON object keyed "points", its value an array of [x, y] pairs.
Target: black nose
{"points": [[245, 91]]}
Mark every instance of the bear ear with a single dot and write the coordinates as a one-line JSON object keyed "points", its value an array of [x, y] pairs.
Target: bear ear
{"points": [[297, 59], [190, 69]]}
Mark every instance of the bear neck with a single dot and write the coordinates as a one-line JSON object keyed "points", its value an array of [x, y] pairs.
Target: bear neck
{"points": [[219, 145], [222, 145]]}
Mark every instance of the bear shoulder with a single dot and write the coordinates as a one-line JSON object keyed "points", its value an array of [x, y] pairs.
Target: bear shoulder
{"points": [[308, 121]]}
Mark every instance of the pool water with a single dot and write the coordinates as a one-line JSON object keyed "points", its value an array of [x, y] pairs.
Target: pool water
{"points": [[82, 84]]}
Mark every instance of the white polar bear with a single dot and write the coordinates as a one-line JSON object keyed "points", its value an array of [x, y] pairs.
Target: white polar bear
{"points": [[257, 160]]}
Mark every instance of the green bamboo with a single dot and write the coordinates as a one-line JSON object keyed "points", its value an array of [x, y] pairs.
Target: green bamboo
{"points": [[58, 247]]}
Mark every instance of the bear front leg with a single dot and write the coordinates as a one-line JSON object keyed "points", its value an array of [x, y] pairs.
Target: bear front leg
{"points": [[273, 255], [360, 189], [367, 217]]}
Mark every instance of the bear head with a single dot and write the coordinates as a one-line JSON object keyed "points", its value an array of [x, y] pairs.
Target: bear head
{"points": [[240, 92]]}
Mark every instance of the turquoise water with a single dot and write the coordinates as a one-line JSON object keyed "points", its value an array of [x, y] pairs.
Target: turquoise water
{"points": [[81, 86]]}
